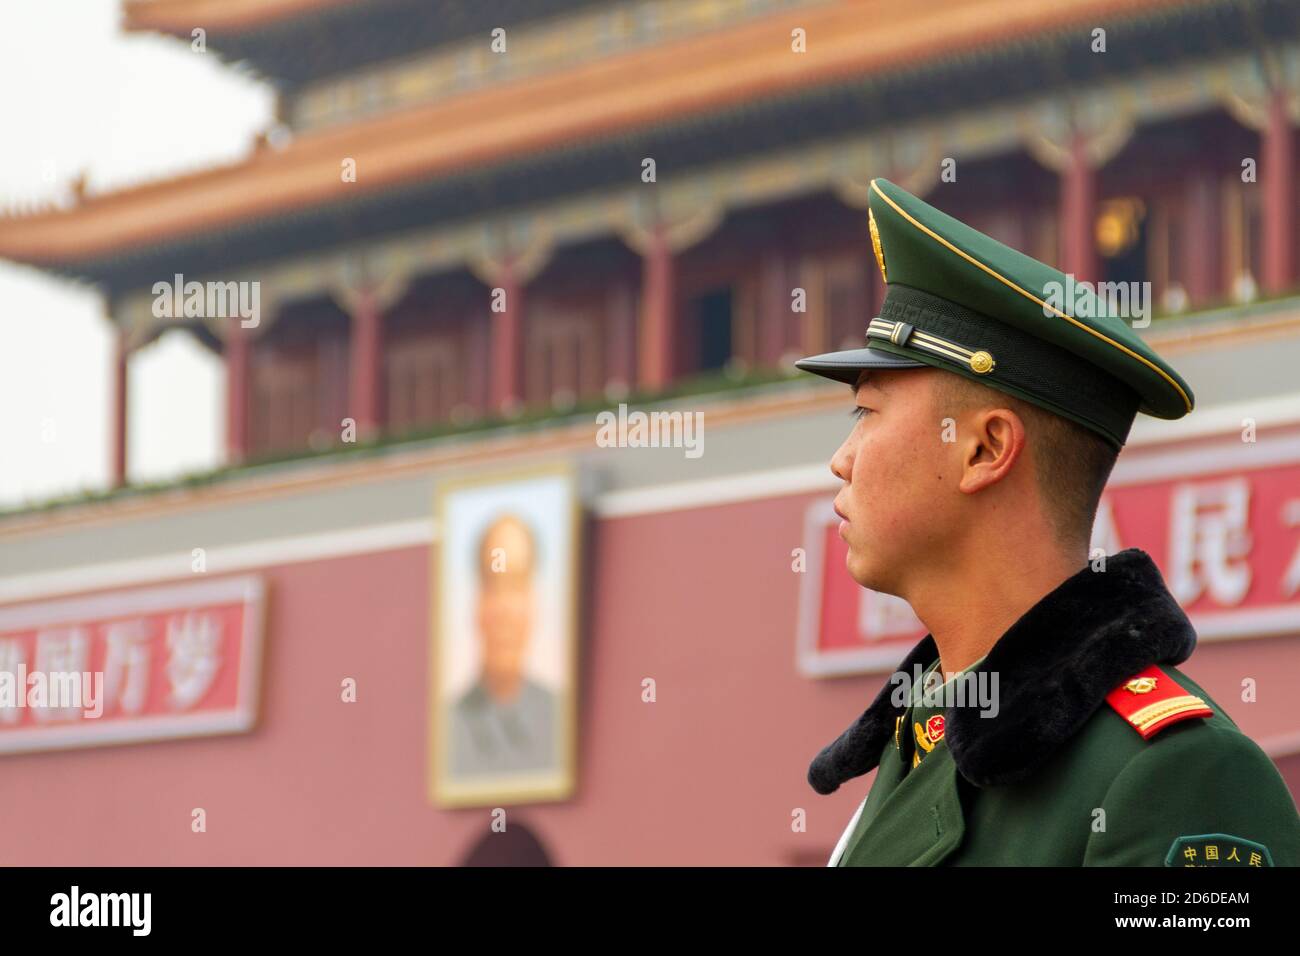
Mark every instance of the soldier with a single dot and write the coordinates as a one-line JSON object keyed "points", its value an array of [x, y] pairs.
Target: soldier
{"points": [[993, 397]]}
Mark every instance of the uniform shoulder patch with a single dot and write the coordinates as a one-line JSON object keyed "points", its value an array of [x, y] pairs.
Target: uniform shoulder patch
{"points": [[1151, 700], [1217, 849]]}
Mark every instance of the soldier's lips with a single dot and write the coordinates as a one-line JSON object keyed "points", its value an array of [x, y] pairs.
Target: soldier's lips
{"points": [[844, 521]]}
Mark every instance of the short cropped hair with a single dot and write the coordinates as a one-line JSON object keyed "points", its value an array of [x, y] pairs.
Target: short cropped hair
{"points": [[1074, 462]]}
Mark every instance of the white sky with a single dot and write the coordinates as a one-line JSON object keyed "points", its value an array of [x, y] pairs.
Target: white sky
{"points": [[76, 94]]}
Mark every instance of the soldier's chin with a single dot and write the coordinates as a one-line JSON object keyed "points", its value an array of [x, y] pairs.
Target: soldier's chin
{"points": [[867, 572], [860, 568]]}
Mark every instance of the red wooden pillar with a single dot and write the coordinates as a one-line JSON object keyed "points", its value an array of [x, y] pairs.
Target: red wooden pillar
{"points": [[1278, 167], [507, 334], [658, 341], [1079, 214], [620, 346], [774, 309], [366, 371], [238, 348], [1200, 271], [121, 355], [480, 358]]}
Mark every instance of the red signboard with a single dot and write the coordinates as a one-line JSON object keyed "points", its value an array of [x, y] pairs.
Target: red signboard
{"points": [[1221, 519], [172, 661]]}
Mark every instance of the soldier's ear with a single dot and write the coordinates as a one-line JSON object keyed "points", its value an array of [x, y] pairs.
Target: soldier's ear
{"points": [[994, 441]]}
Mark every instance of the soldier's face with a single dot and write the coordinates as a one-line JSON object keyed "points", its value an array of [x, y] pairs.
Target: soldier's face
{"points": [[893, 466]]}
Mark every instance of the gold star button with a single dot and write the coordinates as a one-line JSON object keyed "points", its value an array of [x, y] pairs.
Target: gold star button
{"points": [[1141, 685]]}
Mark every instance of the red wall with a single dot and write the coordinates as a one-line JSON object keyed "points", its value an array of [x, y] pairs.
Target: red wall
{"points": [[708, 774]]}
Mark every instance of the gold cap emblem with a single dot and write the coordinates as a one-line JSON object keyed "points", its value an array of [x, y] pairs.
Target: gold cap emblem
{"points": [[1141, 685], [981, 362], [875, 244]]}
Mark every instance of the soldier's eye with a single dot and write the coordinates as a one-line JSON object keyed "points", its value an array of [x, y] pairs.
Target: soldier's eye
{"points": [[860, 412]]}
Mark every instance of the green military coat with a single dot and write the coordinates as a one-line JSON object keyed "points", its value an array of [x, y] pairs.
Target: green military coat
{"points": [[1058, 775]]}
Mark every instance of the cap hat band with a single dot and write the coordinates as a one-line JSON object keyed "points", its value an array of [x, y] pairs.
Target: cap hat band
{"points": [[903, 334]]}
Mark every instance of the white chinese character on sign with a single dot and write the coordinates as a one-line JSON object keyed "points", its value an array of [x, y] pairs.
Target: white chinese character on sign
{"points": [[60, 654], [882, 616], [1209, 541], [126, 665], [14, 662], [1105, 532], [194, 645], [1291, 579]]}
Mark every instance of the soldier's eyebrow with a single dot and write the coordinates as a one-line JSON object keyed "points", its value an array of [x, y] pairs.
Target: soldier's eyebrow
{"points": [[872, 381]]}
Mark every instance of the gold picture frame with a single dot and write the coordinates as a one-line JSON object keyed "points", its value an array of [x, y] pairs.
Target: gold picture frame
{"points": [[503, 674]]}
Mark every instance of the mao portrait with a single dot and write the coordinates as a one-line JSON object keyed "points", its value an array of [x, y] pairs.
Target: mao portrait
{"points": [[504, 636]]}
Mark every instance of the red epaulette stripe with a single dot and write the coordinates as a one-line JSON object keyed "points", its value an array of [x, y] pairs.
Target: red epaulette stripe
{"points": [[1152, 700]]}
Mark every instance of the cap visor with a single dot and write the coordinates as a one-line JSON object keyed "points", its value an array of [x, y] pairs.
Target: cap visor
{"points": [[845, 366]]}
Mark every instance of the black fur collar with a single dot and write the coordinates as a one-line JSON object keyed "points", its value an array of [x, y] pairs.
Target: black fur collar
{"points": [[1055, 666]]}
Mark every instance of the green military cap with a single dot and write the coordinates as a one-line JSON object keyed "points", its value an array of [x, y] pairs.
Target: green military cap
{"points": [[959, 300]]}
